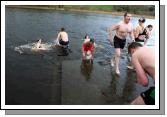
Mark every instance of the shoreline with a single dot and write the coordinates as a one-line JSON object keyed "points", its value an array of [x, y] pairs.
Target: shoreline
{"points": [[115, 13]]}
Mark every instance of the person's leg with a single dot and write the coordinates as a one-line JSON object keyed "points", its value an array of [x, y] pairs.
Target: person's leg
{"points": [[138, 101], [113, 61], [117, 57]]}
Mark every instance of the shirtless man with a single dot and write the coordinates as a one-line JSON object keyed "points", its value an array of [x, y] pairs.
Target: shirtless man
{"points": [[62, 37], [144, 65], [123, 29]]}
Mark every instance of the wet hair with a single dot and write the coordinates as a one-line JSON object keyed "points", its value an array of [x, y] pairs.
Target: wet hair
{"points": [[150, 26], [125, 14], [142, 19], [134, 45], [38, 40], [62, 29], [86, 35]]}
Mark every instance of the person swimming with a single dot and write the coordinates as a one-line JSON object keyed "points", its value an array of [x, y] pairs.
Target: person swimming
{"points": [[38, 45]]}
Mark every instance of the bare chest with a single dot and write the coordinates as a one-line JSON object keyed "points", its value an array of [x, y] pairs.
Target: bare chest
{"points": [[125, 28]]}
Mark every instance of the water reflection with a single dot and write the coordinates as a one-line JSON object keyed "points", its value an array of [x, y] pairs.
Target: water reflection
{"points": [[120, 89], [86, 69]]}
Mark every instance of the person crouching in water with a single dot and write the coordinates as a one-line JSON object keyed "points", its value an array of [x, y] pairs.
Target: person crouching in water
{"points": [[88, 49], [62, 38], [143, 59]]}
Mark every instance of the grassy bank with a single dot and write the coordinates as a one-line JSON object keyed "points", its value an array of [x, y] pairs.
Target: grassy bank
{"points": [[136, 10]]}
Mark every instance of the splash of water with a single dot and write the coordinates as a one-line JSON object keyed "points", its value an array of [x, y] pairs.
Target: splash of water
{"points": [[31, 48]]}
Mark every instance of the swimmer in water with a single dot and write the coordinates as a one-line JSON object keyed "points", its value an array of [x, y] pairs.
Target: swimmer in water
{"points": [[38, 44]]}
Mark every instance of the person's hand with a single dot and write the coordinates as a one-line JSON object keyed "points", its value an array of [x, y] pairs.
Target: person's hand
{"points": [[92, 57], [111, 42], [133, 40], [83, 56]]}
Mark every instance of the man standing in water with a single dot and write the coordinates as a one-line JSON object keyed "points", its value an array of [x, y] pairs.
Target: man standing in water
{"points": [[62, 37], [144, 65], [123, 29]]}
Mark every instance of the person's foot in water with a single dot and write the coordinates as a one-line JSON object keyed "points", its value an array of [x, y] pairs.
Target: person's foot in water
{"points": [[117, 71]]}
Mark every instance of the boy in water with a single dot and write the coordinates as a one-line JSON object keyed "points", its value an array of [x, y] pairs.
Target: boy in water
{"points": [[62, 37]]}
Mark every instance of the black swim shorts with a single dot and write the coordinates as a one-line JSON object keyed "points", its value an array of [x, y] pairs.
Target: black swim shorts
{"points": [[63, 42], [149, 96], [138, 40], [119, 43]]}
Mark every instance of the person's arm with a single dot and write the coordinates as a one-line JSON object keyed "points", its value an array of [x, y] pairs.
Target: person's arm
{"points": [[114, 27], [132, 34], [93, 50], [58, 36], [136, 34], [147, 36], [145, 41], [148, 33], [141, 75], [83, 52]]}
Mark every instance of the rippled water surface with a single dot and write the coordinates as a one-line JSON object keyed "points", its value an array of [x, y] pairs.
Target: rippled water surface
{"points": [[47, 77]]}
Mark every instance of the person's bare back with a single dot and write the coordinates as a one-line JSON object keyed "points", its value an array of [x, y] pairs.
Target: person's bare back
{"points": [[63, 36], [143, 59], [146, 58]]}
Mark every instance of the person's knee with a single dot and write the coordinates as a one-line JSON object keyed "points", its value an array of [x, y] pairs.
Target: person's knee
{"points": [[117, 55]]}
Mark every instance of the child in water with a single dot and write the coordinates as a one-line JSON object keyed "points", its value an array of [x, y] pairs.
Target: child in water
{"points": [[88, 49]]}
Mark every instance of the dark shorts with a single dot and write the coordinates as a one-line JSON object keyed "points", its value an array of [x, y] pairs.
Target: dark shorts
{"points": [[63, 42], [138, 40], [119, 43], [149, 96]]}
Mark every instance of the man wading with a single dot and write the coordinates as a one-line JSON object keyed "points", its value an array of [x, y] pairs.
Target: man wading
{"points": [[123, 29]]}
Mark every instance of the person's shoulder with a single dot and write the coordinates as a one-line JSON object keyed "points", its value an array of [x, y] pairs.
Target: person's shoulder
{"points": [[120, 22], [137, 27], [130, 24]]}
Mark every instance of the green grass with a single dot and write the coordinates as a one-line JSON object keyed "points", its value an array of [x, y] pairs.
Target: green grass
{"points": [[91, 7]]}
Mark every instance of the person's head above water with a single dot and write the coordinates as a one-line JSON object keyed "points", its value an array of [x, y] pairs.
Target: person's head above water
{"points": [[133, 46], [150, 27], [142, 20], [39, 40], [86, 36], [127, 17], [62, 29]]}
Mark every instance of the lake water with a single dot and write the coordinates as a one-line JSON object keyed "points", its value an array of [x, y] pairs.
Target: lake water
{"points": [[46, 78]]}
